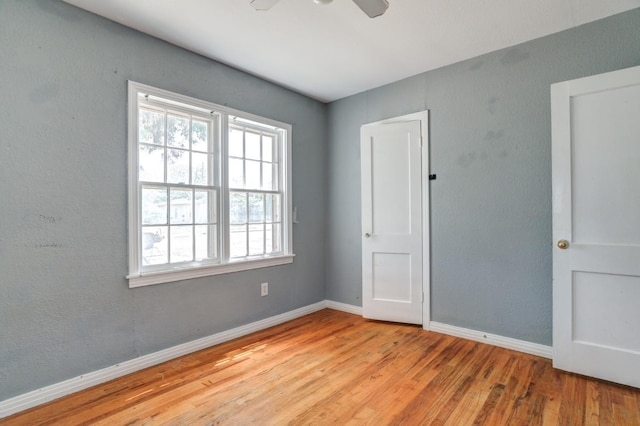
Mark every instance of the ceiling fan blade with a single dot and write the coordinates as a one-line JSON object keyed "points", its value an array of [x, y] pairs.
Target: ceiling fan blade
{"points": [[263, 4], [372, 8]]}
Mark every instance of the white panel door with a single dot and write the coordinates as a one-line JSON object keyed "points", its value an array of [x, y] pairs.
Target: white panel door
{"points": [[596, 226], [392, 221]]}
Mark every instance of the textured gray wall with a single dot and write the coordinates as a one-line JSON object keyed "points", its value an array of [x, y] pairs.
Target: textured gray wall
{"points": [[491, 149], [65, 308]]}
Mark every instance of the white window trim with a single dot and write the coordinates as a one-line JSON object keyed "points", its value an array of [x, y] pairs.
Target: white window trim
{"points": [[136, 277]]}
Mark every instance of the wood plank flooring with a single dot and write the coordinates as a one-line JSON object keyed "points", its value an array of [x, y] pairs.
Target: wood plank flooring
{"points": [[334, 368]]}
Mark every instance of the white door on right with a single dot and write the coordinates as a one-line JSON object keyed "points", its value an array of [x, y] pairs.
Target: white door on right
{"points": [[596, 226]]}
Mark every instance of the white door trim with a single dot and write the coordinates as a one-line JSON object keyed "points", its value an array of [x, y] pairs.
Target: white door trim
{"points": [[423, 117]]}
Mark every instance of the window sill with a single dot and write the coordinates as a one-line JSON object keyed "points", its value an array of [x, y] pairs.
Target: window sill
{"points": [[151, 278]]}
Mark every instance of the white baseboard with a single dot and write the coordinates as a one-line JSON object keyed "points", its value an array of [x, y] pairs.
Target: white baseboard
{"points": [[493, 339], [352, 309], [465, 333], [58, 390]]}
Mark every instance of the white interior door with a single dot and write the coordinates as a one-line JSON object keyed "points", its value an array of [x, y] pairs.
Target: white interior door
{"points": [[596, 226], [392, 263]]}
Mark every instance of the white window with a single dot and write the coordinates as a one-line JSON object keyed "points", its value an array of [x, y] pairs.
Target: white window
{"points": [[209, 188]]}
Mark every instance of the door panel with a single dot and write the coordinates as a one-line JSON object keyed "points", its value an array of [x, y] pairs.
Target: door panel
{"points": [[605, 156], [392, 221], [391, 277], [596, 209], [606, 295], [391, 186]]}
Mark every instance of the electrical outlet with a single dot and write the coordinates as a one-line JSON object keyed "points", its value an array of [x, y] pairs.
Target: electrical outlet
{"points": [[264, 289]]}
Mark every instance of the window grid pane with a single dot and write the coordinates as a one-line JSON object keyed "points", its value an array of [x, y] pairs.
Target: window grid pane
{"points": [[238, 241], [256, 239], [178, 131], [154, 205], [253, 160], [180, 244], [178, 168], [206, 237], [154, 245], [255, 223], [176, 149], [200, 131], [252, 148], [151, 127], [151, 162]]}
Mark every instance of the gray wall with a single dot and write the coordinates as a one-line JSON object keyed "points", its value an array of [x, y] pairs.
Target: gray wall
{"points": [[491, 149], [65, 307]]}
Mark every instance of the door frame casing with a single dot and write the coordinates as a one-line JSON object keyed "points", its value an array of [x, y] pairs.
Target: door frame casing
{"points": [[423, 118]]}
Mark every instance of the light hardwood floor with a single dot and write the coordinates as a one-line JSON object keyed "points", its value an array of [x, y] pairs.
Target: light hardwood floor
{"points": [[334, 368]]}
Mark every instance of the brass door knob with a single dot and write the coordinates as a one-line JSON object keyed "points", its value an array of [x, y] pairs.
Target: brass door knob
{"points": [[563, 244]]}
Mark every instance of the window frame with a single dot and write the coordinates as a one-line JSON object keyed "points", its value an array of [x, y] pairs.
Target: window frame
{"points": [[138, 275]]}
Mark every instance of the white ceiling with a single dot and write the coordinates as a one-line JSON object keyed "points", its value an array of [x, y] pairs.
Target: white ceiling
{"points": [[331, 51]]}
